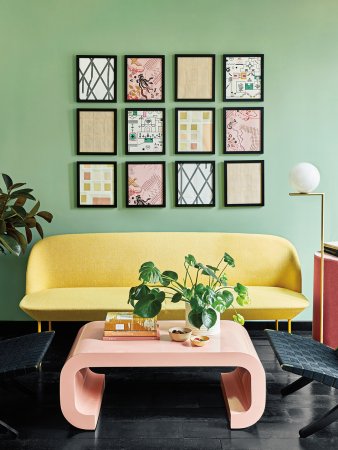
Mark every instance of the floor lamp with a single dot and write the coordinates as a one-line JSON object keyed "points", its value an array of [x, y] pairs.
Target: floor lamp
{"points": [[305, 178]]}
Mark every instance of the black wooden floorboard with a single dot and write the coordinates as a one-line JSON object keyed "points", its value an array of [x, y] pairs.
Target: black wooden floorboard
{"points": [[165, 409]]}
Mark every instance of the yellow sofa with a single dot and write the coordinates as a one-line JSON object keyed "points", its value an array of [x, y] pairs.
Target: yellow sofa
{"points": [[79, 277]]}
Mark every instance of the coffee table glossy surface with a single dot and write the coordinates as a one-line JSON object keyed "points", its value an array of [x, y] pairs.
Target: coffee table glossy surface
{"points": [[244, 388]]}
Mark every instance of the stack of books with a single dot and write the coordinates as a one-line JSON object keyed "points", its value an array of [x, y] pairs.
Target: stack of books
{"points": [[331, 248], [121, 326]]}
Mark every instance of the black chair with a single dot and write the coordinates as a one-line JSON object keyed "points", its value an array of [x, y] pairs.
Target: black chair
{"points": [[19, 356], [311, 360]]}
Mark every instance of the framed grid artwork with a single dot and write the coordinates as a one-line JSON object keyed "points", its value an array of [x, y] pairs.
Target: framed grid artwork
{"points": [[145, 131], [96, 131], [243, 78], [195, 183], [145, 184], [144, 78], [96, 184], [195, 130], [244, 183], [243, 130], [195, 78], [96, 78]]}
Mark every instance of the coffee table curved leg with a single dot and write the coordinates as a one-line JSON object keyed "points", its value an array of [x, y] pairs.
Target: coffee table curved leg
{"points": [[244, 392], [81, 392]]}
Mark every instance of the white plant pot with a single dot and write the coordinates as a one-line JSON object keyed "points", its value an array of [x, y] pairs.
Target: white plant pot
{"points": [[216, 329]]}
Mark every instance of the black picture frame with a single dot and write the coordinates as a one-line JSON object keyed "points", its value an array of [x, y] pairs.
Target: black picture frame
{"points": [[163, 111], [254, 55], [78, 191], [177, 152], [78, 97], [78, 112], [226, 203], [161, 163], [192, 205], [254, 108], [128, 100], [213, 58]]}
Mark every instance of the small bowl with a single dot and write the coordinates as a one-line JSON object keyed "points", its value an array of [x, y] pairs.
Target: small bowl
{"points": [[199, 341], [183, 336]]}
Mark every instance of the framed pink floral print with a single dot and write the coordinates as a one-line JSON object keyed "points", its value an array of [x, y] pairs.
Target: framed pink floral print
{"points": [[243, 130], [145, 184]]}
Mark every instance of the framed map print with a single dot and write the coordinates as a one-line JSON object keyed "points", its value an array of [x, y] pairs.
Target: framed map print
{"points": [[243, 78], [96, 78], [243, 130], [195, 78], [244, 183], [96, 184], [145, 131], [195, 183], [145, 184], [195, 131], [144, 78], [96, 131]]}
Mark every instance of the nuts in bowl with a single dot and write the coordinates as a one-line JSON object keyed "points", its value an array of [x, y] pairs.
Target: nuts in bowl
{"points": [[179, 334]]}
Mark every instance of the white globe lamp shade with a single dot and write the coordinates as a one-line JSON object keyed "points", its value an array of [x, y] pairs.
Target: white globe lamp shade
{"points": [[304, 177]]}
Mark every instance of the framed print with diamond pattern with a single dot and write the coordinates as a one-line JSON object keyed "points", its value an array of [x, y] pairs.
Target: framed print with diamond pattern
{"points": [[195, 183]]}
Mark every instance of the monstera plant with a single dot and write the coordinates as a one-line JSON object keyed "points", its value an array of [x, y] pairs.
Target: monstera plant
{"points": [[204, 288], [15, 216]]}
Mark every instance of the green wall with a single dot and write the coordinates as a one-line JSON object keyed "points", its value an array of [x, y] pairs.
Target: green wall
{"points": [[38, 43]]}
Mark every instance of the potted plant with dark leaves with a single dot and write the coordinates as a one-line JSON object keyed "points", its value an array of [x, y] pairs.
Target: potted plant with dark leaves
{"points": [[204, 289], [15, 216]]}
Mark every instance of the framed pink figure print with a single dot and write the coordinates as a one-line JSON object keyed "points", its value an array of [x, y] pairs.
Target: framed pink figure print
{"points": [[144, 78], [145, 184], [243, 130]]}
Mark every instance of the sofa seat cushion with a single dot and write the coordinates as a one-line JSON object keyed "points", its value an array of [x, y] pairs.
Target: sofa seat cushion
{"points": [[92, 303]]}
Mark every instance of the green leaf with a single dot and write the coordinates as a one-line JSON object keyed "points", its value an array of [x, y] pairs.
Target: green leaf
{"points": [[187, 293], [195, 318], [47, 216], [200, 289], [20, 201], [223, 280], [2, 226], [241, 289], [206, 270], [150, 305], [209, 317], [137, 292], [229, 260], [17, 185], [10, 244], [28, 234], [228, 298], [215, 269], [176, 297], [238, 318], [34, 210], [39, 229], [8, 180], [26, 196], [20, 211], [223, 301], [149, 273], [197, 303], [190, 260], [30, 222], [168, 276], [242, 300]]}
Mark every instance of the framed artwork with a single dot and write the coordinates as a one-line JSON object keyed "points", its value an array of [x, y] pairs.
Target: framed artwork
{"points": [[96, 131], [244, 183], [243, 78], [243, 130], [195, 78], [144, 78], [195, 130], [145, 131], [96, 184], [96, 78], [145, 184], [195, 183]]}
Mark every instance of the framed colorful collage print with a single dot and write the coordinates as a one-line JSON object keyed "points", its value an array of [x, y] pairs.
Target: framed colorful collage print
{"points": [[145, 184], [96, 184], [145, 131], [195, 130]]}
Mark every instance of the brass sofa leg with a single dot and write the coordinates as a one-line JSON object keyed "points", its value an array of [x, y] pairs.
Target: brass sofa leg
{"points": [[289, 325], [39, 326], [50, 325], [277, 325]]}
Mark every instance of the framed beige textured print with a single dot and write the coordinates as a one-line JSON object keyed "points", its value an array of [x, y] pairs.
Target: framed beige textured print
{"points": [[244, 183], [195, 131], [96, 184], [195, 78], [96, 131]]}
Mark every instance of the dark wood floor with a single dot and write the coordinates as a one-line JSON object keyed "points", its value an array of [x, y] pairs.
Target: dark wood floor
{"points": [[164, 410]]}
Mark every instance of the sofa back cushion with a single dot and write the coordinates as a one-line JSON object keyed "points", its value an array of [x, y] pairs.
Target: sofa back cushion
{"points": [[113, 259]]}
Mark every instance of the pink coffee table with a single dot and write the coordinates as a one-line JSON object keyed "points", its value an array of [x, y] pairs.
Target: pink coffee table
{"points": [[81, 390]]}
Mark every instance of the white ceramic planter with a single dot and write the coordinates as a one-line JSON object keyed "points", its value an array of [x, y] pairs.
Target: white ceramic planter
{"points": [[216, 329]]}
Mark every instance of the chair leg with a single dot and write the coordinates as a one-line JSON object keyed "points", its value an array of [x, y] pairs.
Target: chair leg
{"points": [[50, 326], [319, 424], [295, 386], [289, 325], [39, 326], [276, 325], [12, 432]]}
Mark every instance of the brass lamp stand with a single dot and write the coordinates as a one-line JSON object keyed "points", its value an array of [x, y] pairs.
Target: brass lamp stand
{"points": [[321, 294]]}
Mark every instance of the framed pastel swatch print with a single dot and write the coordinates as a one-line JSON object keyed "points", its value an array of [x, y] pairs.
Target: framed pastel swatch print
{"points": [[195, 183], [96, 78], [145, 184], [96, 131], [244, 183], [243, 78], [243, 130], [145, 131], [195, 131], [144, 78], [195, 78], [96, 184]]}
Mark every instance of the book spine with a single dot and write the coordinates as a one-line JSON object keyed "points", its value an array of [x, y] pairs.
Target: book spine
{"points": [[130, 333], [130, 338]]}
